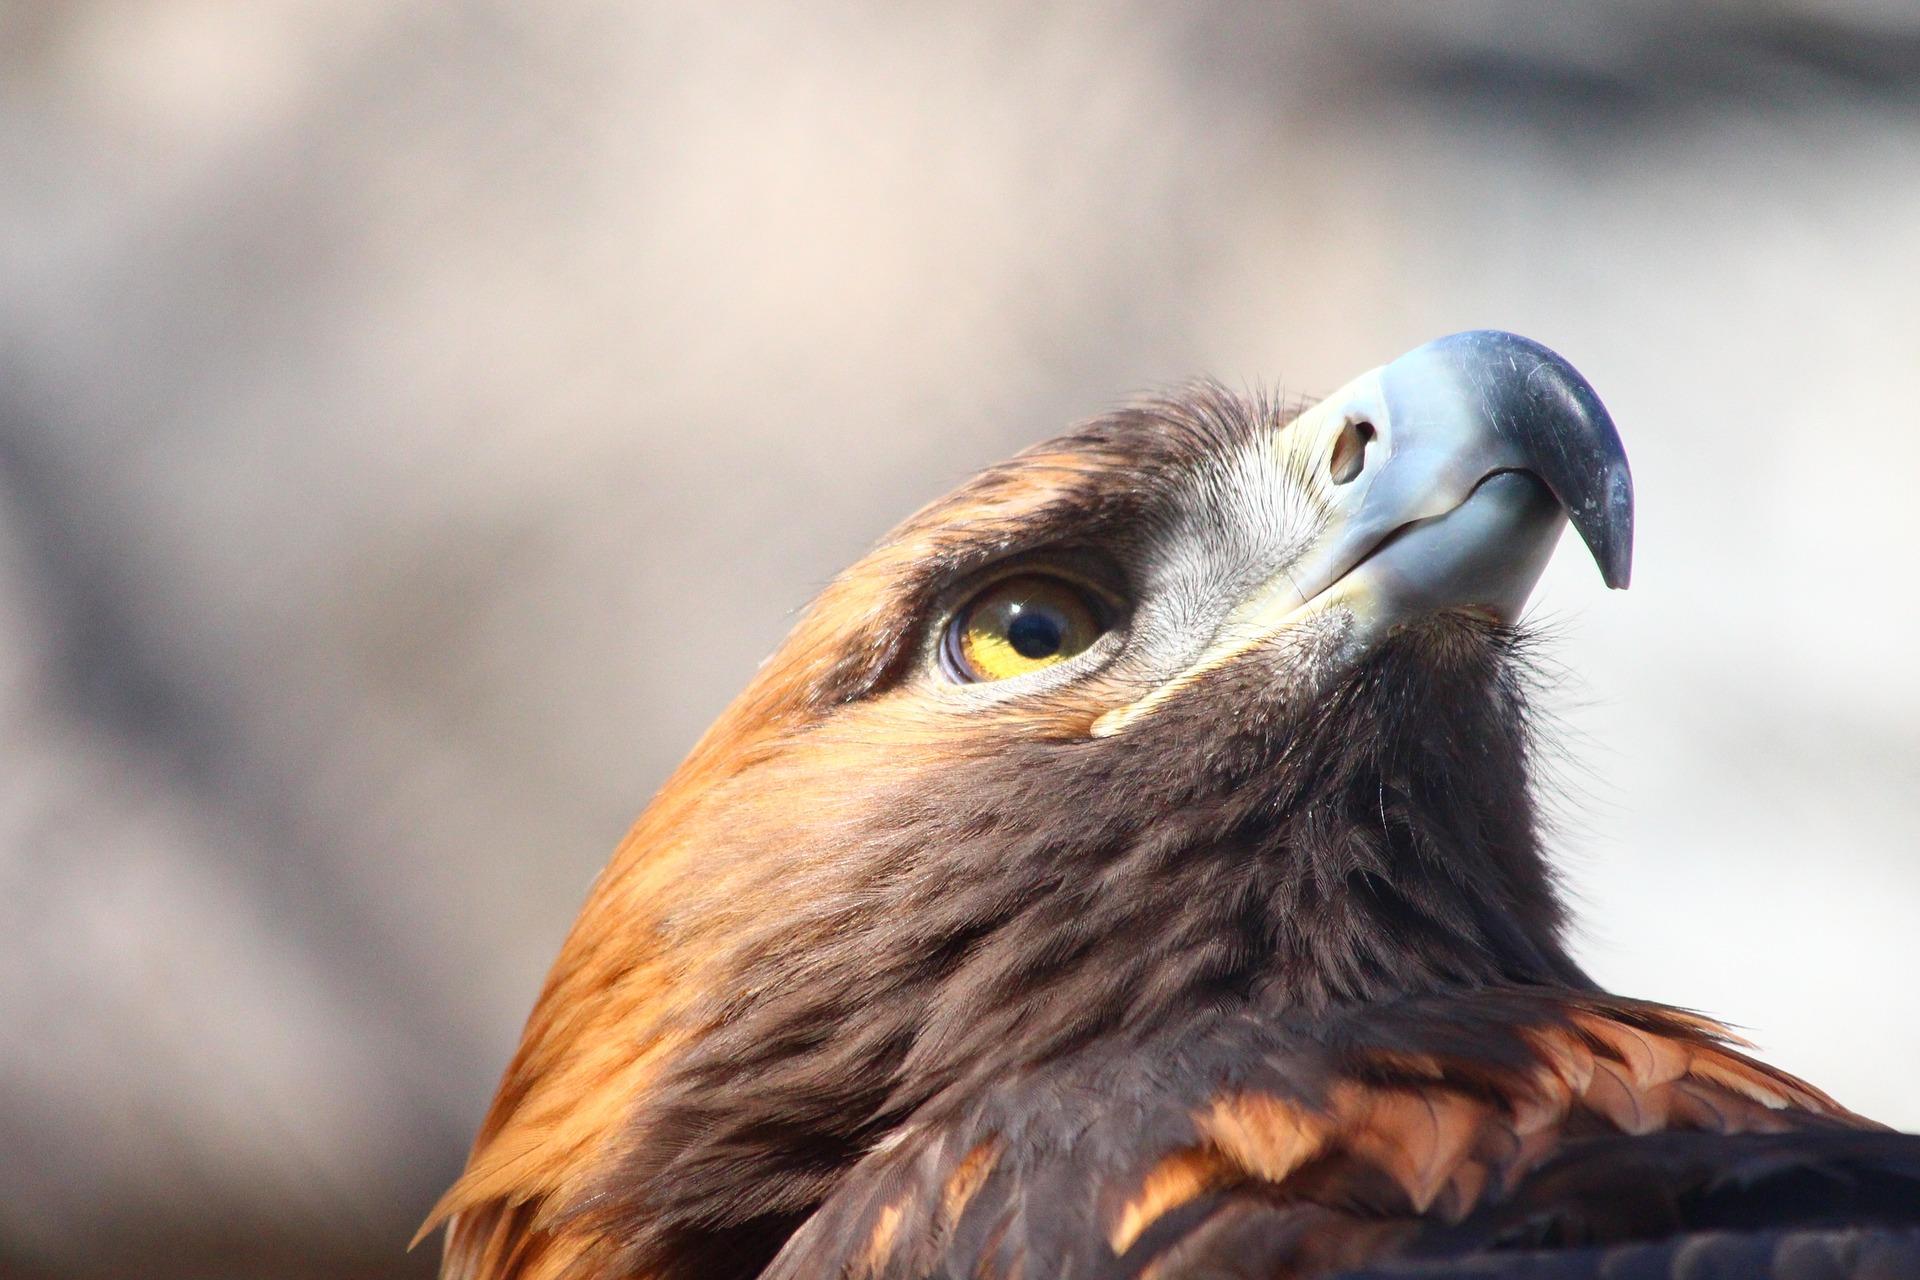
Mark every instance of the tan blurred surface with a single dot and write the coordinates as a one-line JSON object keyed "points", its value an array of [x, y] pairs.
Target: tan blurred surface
{"points": [[416, 421]]}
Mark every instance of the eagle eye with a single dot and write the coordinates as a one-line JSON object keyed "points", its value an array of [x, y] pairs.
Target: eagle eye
{"points": [[1021, 624]]}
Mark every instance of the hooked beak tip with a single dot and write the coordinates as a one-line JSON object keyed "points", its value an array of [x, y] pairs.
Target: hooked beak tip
{"points": [[1526, 406]]}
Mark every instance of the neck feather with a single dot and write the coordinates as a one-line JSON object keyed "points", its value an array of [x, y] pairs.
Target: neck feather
{"points": [[1050, 896]]}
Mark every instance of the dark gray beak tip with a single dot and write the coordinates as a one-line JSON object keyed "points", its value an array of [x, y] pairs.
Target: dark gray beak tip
{"points": [[1612, 545], [1551, 416]]}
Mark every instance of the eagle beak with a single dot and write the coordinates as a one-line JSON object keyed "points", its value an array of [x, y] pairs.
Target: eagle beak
{"points": [[1450, 473], [1448, 476]]}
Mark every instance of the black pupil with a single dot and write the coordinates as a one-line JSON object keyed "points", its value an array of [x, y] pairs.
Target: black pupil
{"points": [[1036, 633]]}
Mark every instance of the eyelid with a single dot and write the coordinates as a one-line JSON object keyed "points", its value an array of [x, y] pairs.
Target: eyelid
{"points": [[1088, 570]]}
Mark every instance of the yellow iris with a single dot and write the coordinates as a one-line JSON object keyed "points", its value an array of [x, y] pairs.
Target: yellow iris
{"points": [[1023, 624]]}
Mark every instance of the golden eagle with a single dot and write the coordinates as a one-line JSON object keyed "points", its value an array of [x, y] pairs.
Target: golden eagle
{"points": [[1130, 869]]}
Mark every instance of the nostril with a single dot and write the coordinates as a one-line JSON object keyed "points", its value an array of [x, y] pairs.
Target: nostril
{"points": [[1349, 451]]}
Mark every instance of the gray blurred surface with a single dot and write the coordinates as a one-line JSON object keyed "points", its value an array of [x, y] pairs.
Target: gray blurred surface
{"points": [[415, 422]]}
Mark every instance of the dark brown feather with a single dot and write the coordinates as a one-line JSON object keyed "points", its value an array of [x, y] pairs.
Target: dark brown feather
{"points": [[1334, 1141]]}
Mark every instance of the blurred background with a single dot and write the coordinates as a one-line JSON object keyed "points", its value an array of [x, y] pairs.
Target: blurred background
{"points": [[416, 421]]}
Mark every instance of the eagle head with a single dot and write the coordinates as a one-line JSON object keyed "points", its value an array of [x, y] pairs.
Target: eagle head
{"points": [[1210, 703]]}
